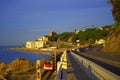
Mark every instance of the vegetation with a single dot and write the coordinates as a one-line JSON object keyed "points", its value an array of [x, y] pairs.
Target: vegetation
{"points": [[54, 37], [65, 36], [90, 35], [110, 32], [64, 45], [113, 39], [87, 36], [115, 9]]}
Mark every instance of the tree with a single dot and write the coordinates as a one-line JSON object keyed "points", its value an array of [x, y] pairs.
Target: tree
{"points": [[113, 39], [65, 36], [75, 37], [54, 37], [90, 35], [116, 9]]}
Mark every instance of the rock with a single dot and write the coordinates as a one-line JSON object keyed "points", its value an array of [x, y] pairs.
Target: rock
{"points": [[113, 41], [3, 67], [20, 65]]}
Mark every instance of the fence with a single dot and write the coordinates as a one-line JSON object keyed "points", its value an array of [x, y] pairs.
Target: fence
{"points": [[62, 67], [94, 71]]}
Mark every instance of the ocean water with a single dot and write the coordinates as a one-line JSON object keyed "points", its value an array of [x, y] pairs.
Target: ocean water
{"points": [[10, 55]]}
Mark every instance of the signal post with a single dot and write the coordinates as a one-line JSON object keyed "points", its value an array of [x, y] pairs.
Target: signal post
{"points": [[38, 71], [55, 65]]}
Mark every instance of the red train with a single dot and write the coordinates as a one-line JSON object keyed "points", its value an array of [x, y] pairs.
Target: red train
{"points": [[48, 63]]}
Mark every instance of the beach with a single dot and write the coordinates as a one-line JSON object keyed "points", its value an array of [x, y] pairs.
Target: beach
{"points": [[39, 50]]}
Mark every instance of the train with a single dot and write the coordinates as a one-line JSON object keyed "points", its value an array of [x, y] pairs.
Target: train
{"points": [[49, 63]]}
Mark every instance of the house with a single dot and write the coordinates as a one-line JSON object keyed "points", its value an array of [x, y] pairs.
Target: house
{"points": [[42, 38], [35, 44], [77, 31], [99, 28], [83, 30], [30, 44], [101, 41], [39, 44]]}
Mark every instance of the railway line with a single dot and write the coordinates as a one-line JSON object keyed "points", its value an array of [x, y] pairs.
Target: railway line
{"points": [[46, 75], [50, 72]]}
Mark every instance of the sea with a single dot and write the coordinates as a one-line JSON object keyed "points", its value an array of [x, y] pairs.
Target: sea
{"points": [[8, 56]]}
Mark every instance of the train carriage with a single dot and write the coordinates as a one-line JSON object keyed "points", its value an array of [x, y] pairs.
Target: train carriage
{"points": [[49, 63]]}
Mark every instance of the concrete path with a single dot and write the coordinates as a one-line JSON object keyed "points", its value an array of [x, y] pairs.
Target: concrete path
{"points": [[70, 73], [74, 71]]}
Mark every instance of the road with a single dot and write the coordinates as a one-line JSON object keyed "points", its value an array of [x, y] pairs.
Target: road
{"points": [[78, 72]]}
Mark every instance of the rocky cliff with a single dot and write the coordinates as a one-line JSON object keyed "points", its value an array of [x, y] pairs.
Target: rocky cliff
{"points": [[19, 65], [113, 41]]}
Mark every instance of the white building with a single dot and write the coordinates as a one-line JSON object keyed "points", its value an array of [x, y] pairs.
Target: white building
{"points": [[35, 44], [101, 41], [30, 44], [42, 38], [39, 44], [77, 31], [99, 28]]}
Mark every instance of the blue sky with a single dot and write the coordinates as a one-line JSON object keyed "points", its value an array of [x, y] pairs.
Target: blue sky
{"points": [[23, 20]]}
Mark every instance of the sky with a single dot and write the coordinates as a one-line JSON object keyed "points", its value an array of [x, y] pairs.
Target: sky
{"points": [[24, 20]]}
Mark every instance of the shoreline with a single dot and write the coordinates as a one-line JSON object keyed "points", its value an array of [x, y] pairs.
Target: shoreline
{"points": [[38, 50]]}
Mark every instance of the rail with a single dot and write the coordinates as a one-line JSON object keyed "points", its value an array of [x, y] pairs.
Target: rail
{"points": [[16, 77], [94, 71], [59, 73], [62, 67]]}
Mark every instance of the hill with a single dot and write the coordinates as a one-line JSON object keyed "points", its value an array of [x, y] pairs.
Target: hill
{"points": [[87, 36], [113, 39]]}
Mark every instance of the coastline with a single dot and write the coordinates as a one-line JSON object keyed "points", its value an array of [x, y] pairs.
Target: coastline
{"points": [[24, 62], [38, 50]]}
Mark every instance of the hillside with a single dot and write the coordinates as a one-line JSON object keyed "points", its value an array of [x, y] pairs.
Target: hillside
{"points": [[113, 41], [87, 36]]}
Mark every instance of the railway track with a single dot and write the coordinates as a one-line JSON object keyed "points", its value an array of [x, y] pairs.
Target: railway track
{"points": [[48, 75]]}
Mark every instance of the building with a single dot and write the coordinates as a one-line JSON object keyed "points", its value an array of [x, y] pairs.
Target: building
{"points": [[35, 44], [30, 44], [43, 38], [51, 33], [83, 30], [101, 41], [40, 44], [99, 28], [77, 31]]}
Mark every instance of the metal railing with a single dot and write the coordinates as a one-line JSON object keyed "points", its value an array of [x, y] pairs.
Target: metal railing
{"points": [[61, 67], [59, 73], [94, 71]]}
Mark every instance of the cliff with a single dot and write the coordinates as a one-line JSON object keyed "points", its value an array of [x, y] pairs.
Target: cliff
{"points": [[113, 41]]}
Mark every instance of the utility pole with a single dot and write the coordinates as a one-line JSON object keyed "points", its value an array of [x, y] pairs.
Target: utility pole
{"points": [[55, 64], [55, 60], [38, 71]]}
